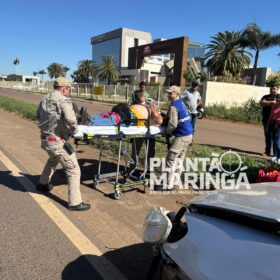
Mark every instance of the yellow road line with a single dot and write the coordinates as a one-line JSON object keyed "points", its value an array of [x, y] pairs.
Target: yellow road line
{"points": [[103, 266]]}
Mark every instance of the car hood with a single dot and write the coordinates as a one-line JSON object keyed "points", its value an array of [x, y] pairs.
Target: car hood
{"points": [[261, 201]]}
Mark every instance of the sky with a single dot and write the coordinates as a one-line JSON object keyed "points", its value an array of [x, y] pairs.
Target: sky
{"points": [[42, 32]]}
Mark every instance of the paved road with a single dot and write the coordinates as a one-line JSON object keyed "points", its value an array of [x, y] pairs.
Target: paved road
{"points": [[32, 246], [113, 228], [40, 239], [242, 137]]}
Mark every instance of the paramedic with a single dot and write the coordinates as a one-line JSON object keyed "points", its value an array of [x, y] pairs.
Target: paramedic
{"points": [[57, 121], [267, 102], [179, 126]]}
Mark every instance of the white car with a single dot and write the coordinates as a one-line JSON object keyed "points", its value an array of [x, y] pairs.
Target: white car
{"points": [[223, 235]]}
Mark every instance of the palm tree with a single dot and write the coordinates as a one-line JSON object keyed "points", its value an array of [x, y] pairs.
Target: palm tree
{"points": [[65, 69], [42, 73], [87, 68], [108, 69], [225, 54], [16, 62], [55, 70], [256, 39], [35, 73]]}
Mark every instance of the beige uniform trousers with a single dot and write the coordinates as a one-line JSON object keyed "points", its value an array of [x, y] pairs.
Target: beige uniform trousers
{"points": [[176, 153], [70, 165]]}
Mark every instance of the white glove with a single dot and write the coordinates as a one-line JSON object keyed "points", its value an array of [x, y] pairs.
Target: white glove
{"points": [[78, 134]]}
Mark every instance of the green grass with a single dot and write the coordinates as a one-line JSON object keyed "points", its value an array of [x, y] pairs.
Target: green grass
{"points": [[23, 109], [230, 161], [250, 112], [28, 111]]}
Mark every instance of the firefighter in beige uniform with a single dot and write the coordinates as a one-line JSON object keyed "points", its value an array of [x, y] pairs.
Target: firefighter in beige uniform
{"points": [[57, 121], [179, 126]]}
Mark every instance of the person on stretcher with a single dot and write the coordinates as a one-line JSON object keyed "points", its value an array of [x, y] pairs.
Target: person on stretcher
{"points": [[137, 114]]}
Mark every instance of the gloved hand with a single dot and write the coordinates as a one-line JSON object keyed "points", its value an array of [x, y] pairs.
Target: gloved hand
{"points": [[79, 134]]}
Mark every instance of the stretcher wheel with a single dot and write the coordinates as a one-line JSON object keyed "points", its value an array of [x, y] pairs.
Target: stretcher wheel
{"points": [[118, 195], [118, 191], [146, 185], [95, 184]]}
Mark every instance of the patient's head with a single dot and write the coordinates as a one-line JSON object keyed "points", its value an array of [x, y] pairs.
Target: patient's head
{"points": [[139, 97]]}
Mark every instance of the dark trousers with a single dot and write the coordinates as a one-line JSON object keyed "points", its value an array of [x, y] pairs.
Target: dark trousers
{"points": [[270, 138], [277, 143], [136, 150], [193, 120]]}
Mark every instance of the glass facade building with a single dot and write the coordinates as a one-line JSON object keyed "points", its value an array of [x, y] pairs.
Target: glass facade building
{"points": [[105, 48], [196, 50]]}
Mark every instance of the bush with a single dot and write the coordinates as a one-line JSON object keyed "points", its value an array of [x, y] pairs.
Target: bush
{"points": [[250, 112], [273, 80], [228, 79]]}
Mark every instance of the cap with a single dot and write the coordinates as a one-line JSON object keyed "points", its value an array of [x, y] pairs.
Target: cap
{"points": [[62, 82], [174, 88], [195, 83]]}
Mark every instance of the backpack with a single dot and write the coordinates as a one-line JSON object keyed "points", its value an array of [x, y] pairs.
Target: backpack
{"points": [[123, 111]]}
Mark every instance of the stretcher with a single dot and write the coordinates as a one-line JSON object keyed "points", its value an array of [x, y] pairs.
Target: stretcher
{"points": [[125, 178]]}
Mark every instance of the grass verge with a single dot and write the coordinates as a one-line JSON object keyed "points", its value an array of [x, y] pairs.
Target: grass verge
{"points": [[197, 154], [23, 109], [28, 111]]}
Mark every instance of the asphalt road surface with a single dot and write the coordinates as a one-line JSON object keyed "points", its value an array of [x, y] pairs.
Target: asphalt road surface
{"points": [[237, 136], [41, 239]]}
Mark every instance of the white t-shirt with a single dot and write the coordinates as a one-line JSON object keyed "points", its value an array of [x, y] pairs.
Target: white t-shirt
{"points": [[191, 99]]}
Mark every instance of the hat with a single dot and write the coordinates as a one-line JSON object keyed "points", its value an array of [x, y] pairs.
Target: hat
{"points": [[62, 82], [195, 83], [174, 88]]}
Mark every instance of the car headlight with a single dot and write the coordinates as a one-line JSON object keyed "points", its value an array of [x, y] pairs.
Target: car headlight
{"points": [[157, 226]]}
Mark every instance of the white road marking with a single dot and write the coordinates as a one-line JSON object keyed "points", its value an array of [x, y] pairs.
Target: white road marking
{"points": [[103, 266]]}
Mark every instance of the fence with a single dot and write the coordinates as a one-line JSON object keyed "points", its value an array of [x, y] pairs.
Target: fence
{"points": [[212, 92], [106, 93]]}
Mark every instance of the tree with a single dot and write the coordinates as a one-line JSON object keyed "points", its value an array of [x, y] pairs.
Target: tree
{"points": [[16, 62], [56, 70], [188, 76], [273, 80], [108, 70], [65, 70], [79, 78], [42, 73], [87, 68], [226, 57], [35, 73], [256, 39]]}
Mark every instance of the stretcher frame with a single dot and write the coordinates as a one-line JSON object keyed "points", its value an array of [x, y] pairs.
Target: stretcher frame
{"points": [[128, 180]]}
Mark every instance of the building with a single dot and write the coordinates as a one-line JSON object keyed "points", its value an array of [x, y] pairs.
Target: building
{"points": [[24, 78], [155, 68], [262, 75], [117, 43]]}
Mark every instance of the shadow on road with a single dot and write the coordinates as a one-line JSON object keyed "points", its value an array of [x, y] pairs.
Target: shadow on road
{"points": [[132, 261], [89, 167]]}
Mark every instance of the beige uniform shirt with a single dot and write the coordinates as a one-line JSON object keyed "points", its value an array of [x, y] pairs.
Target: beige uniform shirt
{"points": [[56, 115]]}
